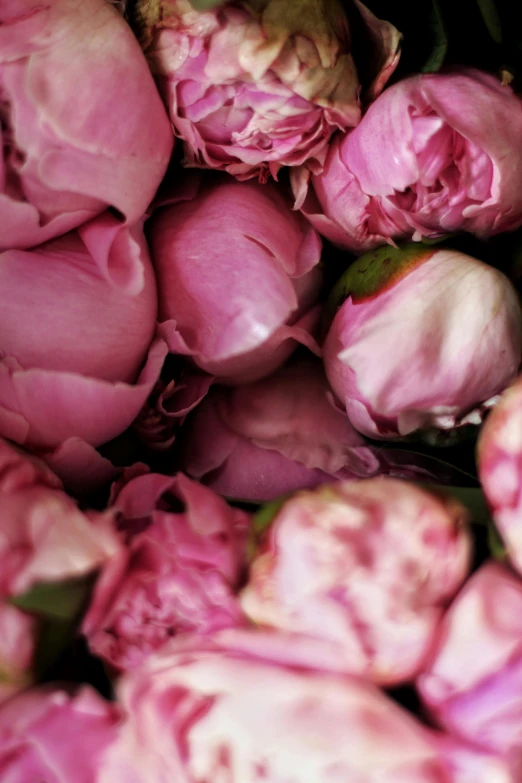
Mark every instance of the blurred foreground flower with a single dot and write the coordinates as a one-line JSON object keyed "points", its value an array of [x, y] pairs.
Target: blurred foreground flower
{"points": [[82, 125], [434, 154], [500, 468], [198, 712], [44, 539], [424, 339], [274, 436], [253, 86], [237, 275], [54, 736], [178, 574], [472, 684], [361, 572], [75, 364]]}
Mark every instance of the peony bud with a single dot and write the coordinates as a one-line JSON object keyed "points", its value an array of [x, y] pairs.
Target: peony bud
{"points": [[202, 712], [82, 125], [254, 86], [74, 370], [361, 573], [178, 574], [472, 683], [435, 153], [426, 339], [237, 277], [500, 469]]}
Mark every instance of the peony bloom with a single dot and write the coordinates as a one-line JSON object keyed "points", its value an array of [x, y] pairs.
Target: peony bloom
{"points": [[426, 339], [50, 735], [472, 683], [202, 712], [237, 276], [251, 87], [178, 574], [500, 468], [82, 125], [75, 364], [361, 572], [274, 436], [434, 154]]}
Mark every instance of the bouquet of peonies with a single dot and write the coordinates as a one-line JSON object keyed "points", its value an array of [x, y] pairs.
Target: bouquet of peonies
{"points": [[260, 402]]}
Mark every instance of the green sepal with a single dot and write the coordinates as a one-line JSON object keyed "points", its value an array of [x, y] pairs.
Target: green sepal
{"points": [[375, 272]]}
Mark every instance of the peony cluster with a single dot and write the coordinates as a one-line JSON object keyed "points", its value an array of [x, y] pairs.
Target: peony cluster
{"points": [[260, 399]]}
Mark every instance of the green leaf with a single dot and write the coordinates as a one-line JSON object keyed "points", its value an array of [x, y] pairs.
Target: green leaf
{"points": [[58, 600], [495, 543], [491, 18], [439, 47], [474, 500], [55, 637], [204, 5]]}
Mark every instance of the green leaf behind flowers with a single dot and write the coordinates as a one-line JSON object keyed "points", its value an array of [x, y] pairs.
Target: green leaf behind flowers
{"points": [[57, 600], [491, 17], [439, 40]]}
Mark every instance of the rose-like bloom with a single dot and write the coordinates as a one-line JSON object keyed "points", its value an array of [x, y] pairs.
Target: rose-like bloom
{"points": [[54, 736], [362, 572], [237, 276], [74, 371], [178, 574], [82, 125], [204, 713], [251, 87], [426, 339], [500, 468], [473, 683], [274, 436], [434, 154]]}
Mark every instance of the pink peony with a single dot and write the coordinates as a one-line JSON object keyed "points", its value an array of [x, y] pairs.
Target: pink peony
{"points": [[361, 572], [82, 125], [251, 87], [500, 468], [472, 684], [425, 340], [76, 361], [237, 275], [44, 537], [274, 436], [53, 736], [178, 574], [203, 713], [434, 154]]}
